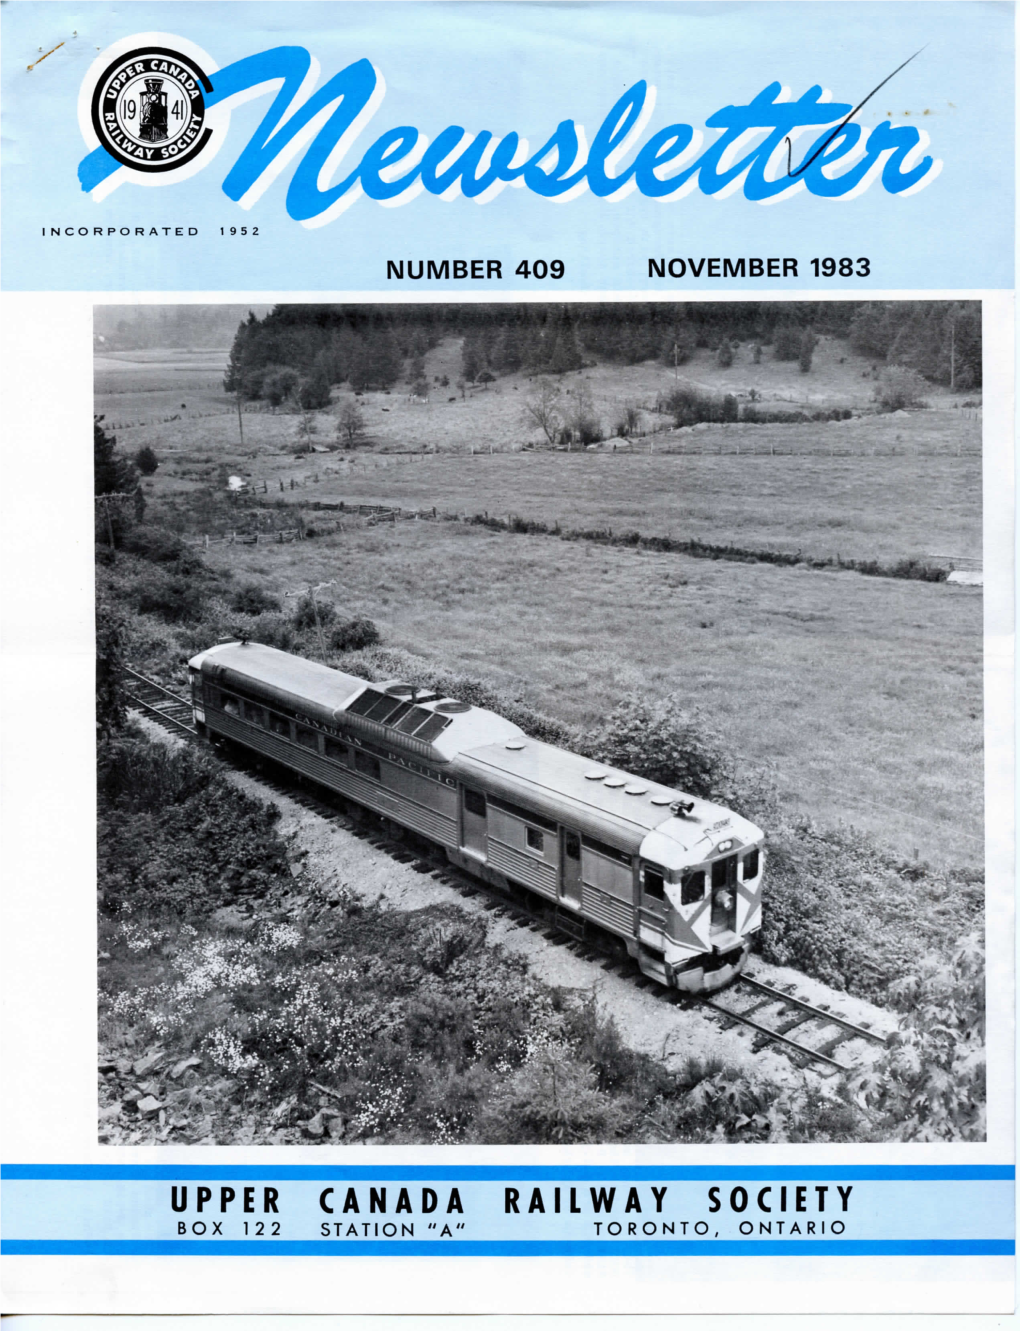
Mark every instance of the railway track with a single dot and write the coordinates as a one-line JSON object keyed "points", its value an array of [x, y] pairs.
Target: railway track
{"points": [[807, 1032]]}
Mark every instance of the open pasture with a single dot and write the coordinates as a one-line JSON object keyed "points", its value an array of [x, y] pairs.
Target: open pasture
{"points": [[884, 508], [139, 390], [864, 692]]}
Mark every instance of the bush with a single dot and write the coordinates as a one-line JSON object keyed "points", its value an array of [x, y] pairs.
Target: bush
{"points": [[146, 461], [930, 1085], [662, 741], [251, 599], [352, 635], [730, 409], [160, 545], [174, 836], [175, 598], [724, 356], [900, 388], [304, 617]]}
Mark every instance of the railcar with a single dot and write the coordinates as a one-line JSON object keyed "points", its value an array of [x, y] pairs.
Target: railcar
{"points": [[677, 879]]}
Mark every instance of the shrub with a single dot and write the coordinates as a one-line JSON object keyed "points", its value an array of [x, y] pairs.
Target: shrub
{"points": [[146, 461], [930, 1085], [660, 741], [174, 836], [352, 635], [175, 598], [305, 611], [724, 356], [251, 599], [160, 545], [899, 388], [730, 409], [110, 708]]}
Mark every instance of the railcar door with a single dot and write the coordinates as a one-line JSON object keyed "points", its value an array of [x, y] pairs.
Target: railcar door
{"points": [[570, 868], [653, 904], [474, 823]]}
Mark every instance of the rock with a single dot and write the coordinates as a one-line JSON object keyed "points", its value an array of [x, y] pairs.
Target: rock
{"points": [[132, 1094], [104, 956], [179, 1068], [149, 1105], [124, 1066], [110, 1112], [143, 1065], [315, 1126], [335, 1127], [230, 917], [107, 1065]]}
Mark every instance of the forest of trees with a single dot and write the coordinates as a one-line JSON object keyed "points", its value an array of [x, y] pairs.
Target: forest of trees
{"points": [[299, 351]]}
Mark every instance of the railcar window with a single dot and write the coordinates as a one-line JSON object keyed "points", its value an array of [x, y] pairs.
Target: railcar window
{"points": [[279, 725], [720, 873], [334, 749], [610, 852], [474, 802], [751, 865], [525, 815], [230, 704], [692, 888], [435, 725], [654, 882], [361, 705], [571, 845], [307, 737], [253, 713], [410, 722], [368, 764], [536, 840], [383, 710]]}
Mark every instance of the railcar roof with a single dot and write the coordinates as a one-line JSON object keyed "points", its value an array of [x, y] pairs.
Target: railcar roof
{"points": [[560, 776], [294, 675]]}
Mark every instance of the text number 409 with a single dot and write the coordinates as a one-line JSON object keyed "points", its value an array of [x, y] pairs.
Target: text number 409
{"points": [[540, 269]]}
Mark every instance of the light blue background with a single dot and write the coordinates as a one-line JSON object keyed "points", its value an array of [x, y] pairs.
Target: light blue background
{"points": [[525, 67], [879, 1209]]}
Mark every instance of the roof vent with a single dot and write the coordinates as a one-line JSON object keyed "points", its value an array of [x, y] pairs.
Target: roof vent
{"points": [[515, 744], [411, 691], [636, 790], [595, 774], [615, 782], [662, 800], [451, 707]]}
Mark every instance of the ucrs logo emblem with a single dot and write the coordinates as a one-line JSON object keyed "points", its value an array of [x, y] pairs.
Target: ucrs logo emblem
{"points": [[148, 109]]}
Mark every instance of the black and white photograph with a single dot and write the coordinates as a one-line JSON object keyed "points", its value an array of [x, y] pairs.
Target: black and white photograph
{"points": [[540, 723]]}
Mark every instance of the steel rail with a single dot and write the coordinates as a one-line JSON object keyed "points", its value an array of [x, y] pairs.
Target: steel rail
{"points": [[775, 1035], [820, 1013]]}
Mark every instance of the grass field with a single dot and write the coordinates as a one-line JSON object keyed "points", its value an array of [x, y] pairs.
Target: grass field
{"points": [[865, 693]]}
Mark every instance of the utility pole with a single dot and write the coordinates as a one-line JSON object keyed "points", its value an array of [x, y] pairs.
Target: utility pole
{"points": [[240, 423], [318, 622], [952, 356]]}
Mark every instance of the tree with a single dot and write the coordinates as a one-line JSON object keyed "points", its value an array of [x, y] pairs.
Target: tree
{"points": [[113, 474], [724, 356], [278, 383], [582, 419], [543, 410], [111, 711], [787, 342], [486, 378], [313, 392], [146, 461], [350, 422], [808, 343]]}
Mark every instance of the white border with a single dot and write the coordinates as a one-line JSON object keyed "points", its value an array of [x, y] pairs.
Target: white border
{"points": [[49, 857]]}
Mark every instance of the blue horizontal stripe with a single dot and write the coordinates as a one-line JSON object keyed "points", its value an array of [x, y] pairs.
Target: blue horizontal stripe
{"points": [[464, 1248], [512, 1173]]}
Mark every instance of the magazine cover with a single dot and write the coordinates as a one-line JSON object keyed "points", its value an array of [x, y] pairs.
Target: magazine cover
{"points": [[508, 766]]}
